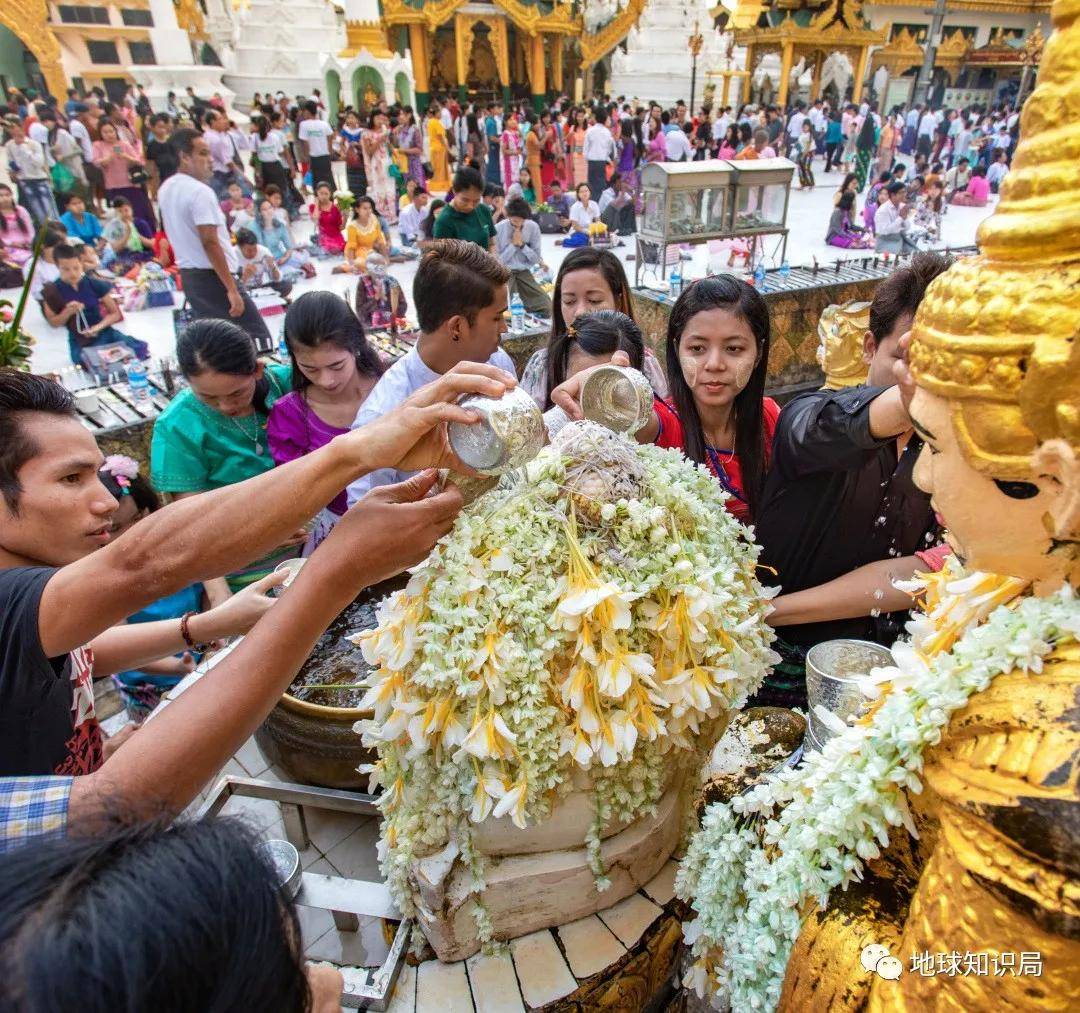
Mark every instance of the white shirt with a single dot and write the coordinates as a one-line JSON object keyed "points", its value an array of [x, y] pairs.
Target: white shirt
{"points": [[719, 127], [185, 203], [996, 173], [794, 127], [927, 125], [263, 275], [410, 218], [678, 147], [44, 273], [599, 145], [316, 134], [584, 214], [888, 220], [446, 118], [40, 133], [408, 374], [817, 118], [82, 135], [270, 147]]}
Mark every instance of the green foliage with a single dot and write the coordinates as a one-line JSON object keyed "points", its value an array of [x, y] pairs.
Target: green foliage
{"points": [[15, 344]]}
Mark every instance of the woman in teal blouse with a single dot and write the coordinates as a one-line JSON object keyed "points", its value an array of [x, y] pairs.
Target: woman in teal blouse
{"points": [[213, 434]]}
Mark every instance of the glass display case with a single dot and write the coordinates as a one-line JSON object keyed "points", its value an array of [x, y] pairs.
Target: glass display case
{"points": [[760, 200], [683, 202], [693, 202]]}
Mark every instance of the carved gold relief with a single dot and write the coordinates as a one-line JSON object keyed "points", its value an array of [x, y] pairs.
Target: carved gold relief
{"points": [[28, 20], [841, 330]]}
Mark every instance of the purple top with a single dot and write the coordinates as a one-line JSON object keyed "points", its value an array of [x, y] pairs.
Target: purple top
{"points": [[627, 157], [294, 430]]}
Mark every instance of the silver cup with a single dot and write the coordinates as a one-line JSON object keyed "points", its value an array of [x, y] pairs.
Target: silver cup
{"points": [[832, 668], [617, 397], [510, 432]]}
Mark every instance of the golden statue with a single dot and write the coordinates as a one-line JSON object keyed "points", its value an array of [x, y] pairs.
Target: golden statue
{"points": [[997, 364], [842, 331]]}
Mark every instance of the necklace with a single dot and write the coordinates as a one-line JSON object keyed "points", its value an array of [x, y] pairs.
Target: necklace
{"points": [[254, 439]]}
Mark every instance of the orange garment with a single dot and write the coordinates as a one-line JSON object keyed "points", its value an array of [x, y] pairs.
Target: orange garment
{"points": [[359, 242]]}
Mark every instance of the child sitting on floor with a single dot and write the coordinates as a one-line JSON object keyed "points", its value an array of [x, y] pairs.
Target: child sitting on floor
{"points": [[129, 240], [380, 302], [238, 209], [86, 307]]}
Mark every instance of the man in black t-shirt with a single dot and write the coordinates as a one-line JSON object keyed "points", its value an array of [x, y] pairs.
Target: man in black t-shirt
{"points": [[64, 579], [839, 493], [159, 152]]}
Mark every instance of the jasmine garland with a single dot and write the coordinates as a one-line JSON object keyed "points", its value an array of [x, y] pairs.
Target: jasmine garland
{"points": [[757, 862], [559, 628]]}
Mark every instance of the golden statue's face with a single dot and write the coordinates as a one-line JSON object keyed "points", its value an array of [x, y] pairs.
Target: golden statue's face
{"points": [[1017, 529]]}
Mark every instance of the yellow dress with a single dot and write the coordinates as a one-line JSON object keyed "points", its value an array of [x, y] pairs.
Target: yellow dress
{"points": [[440, 156], [359, 242]]}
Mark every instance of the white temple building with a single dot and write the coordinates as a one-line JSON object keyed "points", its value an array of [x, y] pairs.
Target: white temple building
{"points": [[275, 45], [655, 63]]}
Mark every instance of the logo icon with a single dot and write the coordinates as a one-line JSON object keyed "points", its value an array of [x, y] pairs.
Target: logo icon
{"points": [[876, 958]]}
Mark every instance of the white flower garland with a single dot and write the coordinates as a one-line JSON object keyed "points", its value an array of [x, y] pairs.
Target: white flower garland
{"points": [[557, 629], [756, 862]]}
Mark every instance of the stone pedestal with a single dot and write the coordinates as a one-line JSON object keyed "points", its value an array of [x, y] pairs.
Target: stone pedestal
{"points": [[623, 959]]}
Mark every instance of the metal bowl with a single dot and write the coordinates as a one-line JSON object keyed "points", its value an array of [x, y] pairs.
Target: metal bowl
{"points": [[285, 860], [832, 670], [617, 397], [510, 432]]}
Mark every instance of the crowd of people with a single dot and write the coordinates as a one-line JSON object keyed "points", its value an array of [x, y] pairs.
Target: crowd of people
{"points": [[332, 456]]}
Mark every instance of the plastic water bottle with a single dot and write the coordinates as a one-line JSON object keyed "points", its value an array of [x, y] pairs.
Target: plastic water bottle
{"points": [[517, 315], [785, 269], [676, 281], [759, 277], [138, 382], [282, 347]]}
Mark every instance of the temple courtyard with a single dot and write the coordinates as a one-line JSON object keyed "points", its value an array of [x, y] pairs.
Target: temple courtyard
{"points": [[808, 218]]}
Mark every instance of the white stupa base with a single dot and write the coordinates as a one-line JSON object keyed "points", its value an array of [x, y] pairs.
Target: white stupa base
{"points": [[160, 80]]}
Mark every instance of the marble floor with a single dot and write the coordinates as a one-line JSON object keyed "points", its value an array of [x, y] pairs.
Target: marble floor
{"points": [[808, 217]]}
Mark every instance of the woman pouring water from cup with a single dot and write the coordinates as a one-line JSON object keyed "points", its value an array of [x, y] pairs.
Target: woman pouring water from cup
{"points": [[717, 355]]}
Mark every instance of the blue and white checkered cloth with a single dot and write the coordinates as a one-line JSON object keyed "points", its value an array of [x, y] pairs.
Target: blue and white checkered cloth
{"points": [[32, 807]]}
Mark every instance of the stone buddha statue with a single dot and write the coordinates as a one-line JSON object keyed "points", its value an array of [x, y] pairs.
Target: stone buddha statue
{"points": [[996, 869]]}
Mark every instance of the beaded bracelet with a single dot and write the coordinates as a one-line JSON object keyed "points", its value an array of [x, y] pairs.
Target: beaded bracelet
{"points": [[185, 633]]}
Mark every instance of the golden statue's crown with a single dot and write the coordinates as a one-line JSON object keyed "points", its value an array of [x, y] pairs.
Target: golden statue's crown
{"points": [[999, 334]]}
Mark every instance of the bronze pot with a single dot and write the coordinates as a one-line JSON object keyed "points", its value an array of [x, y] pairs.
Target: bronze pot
{"points": [[314, 744]]}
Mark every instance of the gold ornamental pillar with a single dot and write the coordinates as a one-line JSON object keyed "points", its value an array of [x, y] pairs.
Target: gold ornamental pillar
{"points": [[815, 84], [787, 58], [418, 50], [860, 74], [749, 75], [462, 46], [557, 44], [538, 72]]}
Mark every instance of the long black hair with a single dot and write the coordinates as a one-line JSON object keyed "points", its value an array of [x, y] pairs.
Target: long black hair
{"points": [[724, 292], [586, 258], [320, 318], [22, 225], [602, 332], [221, 347], [186, 916]]}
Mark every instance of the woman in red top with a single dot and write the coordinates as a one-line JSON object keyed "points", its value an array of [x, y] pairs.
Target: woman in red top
{"points": [[717, 353]]}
